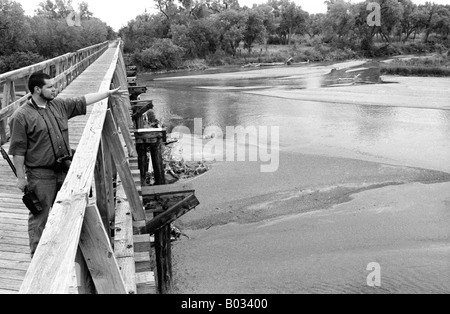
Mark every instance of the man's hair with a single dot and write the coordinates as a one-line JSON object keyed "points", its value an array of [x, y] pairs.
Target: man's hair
{"points": [[37, 79]]}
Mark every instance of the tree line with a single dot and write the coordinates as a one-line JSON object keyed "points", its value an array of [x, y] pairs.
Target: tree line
{"points": [[189, 29], [26, 40]]}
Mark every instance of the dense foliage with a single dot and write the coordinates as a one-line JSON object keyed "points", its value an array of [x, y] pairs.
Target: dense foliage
{"points": [[215, 30], [25, 40]]}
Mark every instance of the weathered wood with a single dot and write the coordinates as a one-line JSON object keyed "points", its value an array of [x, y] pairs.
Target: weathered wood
{"points": [[143, 162], [80, 278], [9, 110], [99, 254], [52, 264], [167, 189], [119, 117], [27, 71], [171, 214], [112, 139], [8, 97], [101, 189], [163, 252], [123, 245], [109, 182], [50, 269]]}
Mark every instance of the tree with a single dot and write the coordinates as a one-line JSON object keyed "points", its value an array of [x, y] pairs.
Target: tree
{"points": [[15, 29], [340, 20], [410, 21], [83, 9], [391, 15], [167, 8], [218, 6], [442, 25], [141, 32], [254, 29], [199, 38], [428, 17], [293, 19], [315, 24], [59, 9], [231, 25]]}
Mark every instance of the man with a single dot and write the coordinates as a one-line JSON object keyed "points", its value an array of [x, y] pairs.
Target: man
{"points": [[39, 138]]}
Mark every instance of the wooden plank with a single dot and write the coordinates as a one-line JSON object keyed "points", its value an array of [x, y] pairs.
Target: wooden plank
{"points": [[80, 278], [14, 248], [16, 274], [11, 256], [14, 241], [20, 222], [4, 104], [146, 283], [13, 227], [128, 269], [49, 272], [110, 176], [168, 189], [101, 186], [13, 216], [8, 111], [13, 234], [99, 254], [123, 245], [121, 106], [171, 214], [20, 265], [113, 141], [10, 284]]}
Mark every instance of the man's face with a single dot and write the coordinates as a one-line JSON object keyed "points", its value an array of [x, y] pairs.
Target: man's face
{"points": [[48, 91]]}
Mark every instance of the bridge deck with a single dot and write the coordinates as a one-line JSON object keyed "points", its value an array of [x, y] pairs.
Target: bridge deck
{"points": [[14, 243]]}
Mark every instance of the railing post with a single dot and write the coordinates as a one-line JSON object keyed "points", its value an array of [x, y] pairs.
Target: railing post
{"points": [[9, 96]]}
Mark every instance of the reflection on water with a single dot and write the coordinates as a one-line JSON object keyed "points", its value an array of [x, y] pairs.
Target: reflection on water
{"points": [[407, 136]]}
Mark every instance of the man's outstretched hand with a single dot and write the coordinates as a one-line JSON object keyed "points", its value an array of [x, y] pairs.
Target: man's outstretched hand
{"points": [[118, 93]]}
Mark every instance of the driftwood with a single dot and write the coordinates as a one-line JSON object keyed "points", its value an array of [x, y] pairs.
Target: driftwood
{"points": [[289, 61]]}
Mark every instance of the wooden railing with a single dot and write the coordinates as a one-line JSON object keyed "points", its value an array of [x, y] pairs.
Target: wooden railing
{"points": [[75, 222], [64, 69]]}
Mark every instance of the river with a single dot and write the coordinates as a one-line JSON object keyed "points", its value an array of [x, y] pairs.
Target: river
{"points": [[362, 178]]}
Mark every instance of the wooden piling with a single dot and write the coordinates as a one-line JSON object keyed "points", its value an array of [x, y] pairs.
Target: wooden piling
{"points": [[153, 140]]}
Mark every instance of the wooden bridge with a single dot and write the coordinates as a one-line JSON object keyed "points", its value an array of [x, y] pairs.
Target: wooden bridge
{"points": [[98, 235]]}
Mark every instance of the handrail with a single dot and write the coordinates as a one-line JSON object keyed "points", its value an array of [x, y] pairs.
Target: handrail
{"points": [[53, 263], [64, 68]]}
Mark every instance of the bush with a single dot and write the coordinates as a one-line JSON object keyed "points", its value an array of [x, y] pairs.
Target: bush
{"points": [[415, 71], [274, 40], [19, 60], [219, 58], [163, 54]]}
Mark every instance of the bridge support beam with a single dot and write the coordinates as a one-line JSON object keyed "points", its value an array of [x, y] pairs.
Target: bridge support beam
{"points": [[99, 254]]}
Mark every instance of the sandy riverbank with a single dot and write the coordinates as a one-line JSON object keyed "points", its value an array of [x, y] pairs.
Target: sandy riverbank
{"points": [[314, 222], [327, 251]]}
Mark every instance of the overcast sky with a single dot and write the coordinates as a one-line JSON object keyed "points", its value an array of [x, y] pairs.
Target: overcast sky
{"points": [[117, 13]]}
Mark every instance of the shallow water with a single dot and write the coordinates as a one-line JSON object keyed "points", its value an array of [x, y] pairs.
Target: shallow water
{"points": [[404, 229], [400, 135]]}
